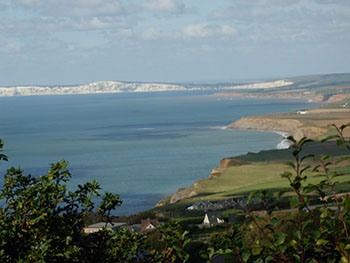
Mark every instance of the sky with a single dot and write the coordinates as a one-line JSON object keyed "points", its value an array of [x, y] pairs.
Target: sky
{"points": [[63, 42]]}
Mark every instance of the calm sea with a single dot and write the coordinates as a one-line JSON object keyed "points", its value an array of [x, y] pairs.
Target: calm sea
{"points": [[143, 146]]}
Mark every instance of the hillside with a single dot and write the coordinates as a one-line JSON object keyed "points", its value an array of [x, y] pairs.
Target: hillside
{"points": [[237, 176], [317, 87]]}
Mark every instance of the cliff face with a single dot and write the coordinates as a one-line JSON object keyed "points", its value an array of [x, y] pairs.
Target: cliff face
{"points": [[282, 95], [191, 191], [338, 97], [294, 127]]}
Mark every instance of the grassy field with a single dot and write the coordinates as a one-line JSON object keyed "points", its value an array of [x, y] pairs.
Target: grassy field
{"points": [[263, 171]]}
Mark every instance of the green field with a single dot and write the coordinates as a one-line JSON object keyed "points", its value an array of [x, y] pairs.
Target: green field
{"points": [[263, 171]]}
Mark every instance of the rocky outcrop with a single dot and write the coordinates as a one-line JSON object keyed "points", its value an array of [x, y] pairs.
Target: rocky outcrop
{"points": [[292, 126], [183, 193], [227, 162], [338, 97]]}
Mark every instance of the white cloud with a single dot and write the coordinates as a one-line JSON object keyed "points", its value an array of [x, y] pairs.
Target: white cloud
{"points": [[163, 6], [10, 47], [203, 30], [286, 21], [151, 33], [74, 7], [193, 31], [334, 2]]}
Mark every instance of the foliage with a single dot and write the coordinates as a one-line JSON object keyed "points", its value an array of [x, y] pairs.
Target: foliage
{"points": [[41, 220]]}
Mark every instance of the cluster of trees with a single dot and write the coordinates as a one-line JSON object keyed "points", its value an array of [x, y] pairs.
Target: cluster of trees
{"points": [[41, 221]]}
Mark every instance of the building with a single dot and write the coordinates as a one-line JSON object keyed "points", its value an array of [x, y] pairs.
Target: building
{"points": [[212, 218], [302, 112], [148, 225], [99, 226]]}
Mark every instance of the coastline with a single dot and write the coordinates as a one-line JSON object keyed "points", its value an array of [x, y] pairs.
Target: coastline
{"points": [[314, 124]]}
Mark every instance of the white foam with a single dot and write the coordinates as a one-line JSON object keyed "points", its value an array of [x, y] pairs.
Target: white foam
{"points": [[285, 143], [144, 129]]}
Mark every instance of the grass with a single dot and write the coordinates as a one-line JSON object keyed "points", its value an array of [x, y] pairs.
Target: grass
{"points": [[263, 172], [240, 180]]}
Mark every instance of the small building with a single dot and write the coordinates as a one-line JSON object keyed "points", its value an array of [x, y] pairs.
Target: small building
{"points": [[302, 112], [212, 218], [99, 226], [148, 225]]}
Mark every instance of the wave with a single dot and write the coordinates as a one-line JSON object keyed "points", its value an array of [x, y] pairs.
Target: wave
{"points": [[218, 127], [144, 129], [285, 143]]}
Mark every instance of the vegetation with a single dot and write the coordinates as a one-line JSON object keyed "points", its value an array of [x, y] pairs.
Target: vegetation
{"points": [[40, 221], [306, 233]]}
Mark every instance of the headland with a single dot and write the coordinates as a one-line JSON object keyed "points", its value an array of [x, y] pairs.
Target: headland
{"points": [[237, 176]]}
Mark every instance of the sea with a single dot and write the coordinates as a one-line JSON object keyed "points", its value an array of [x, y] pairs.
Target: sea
{"points": [[143, 146]]}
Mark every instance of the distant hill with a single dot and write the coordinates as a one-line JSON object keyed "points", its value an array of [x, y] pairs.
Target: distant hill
{"points": [[328, 84], [328, 87]]}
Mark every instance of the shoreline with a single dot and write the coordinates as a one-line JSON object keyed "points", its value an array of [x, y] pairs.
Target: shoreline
{"points": [[276, 123]]}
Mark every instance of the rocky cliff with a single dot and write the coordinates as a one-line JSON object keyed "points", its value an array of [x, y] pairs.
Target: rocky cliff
{"points": [[294, 127]]}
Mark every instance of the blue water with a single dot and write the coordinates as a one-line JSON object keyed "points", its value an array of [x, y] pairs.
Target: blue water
{"points": [[142, 146]]}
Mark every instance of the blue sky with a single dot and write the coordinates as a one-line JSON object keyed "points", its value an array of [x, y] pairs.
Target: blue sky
{"points": [[81, 41]]}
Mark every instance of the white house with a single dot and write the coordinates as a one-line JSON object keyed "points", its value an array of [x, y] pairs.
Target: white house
{"points": [[212, 218], [302, 112]]}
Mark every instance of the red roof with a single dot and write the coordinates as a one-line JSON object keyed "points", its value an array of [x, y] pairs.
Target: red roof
{"points": [[148, 225]]}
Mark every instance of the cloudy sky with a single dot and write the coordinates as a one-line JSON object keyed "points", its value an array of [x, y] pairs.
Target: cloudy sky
{"points": [[81, 41]]}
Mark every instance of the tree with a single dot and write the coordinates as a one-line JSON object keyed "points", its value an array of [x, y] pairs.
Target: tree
{"points": [[41, 221]]}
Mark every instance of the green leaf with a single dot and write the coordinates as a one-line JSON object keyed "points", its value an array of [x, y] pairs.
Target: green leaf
{"points": [[297, 234], [294, 202], [346, 205], [322, 242], [245, 256], [304, 169], [290, 164], [329, 138], [275, 221], [291, 138], [340, 142], [283, 248], [251, 195], [324, 214], [293, 243], [280, 239], [287, 175], [307, 157], [256, 250]]}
